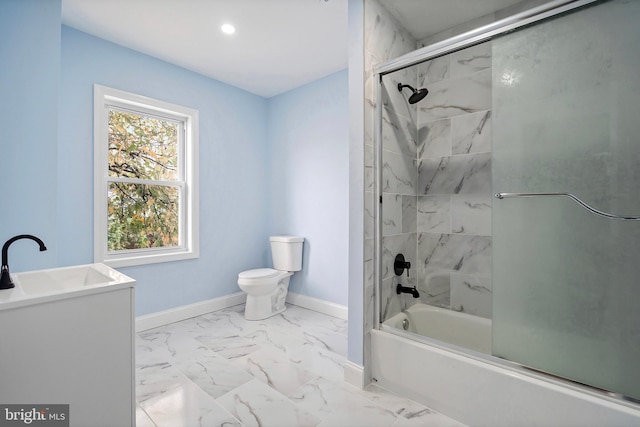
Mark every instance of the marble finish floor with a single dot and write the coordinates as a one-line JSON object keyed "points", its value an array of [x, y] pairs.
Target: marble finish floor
{"points": [[221, 370]]}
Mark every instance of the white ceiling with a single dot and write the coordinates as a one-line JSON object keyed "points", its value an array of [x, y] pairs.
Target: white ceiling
{"points": [[279, 44]]}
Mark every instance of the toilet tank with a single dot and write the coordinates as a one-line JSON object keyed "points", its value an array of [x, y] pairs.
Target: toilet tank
{"points": [[286, 252]]}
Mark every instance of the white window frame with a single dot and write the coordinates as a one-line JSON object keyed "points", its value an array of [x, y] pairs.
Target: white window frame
{"points": [[103, 99]]}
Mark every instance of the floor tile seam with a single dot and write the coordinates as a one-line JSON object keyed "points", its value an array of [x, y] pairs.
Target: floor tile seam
{"points": [[283, 329], [301, 370], [282, 398], [336, 357], [234, 390], [215, 345], [199, 342], [292, 356], [316, 378], [196, 385], [170, 345], [293, 325], [366, 394], [323, 345], [216, 404], [171, 363], [332, 413], [203, 351], [223, 359], [141, 408], [307, 345], [141, 366], [316, 413], [184, 379], [349, 388], [219, 405], [159, 329]]}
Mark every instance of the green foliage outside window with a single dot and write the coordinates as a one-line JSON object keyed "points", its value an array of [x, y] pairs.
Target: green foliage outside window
{"points": [[142, 215]]}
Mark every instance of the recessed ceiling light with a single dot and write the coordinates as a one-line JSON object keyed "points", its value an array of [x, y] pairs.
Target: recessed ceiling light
{"points": [[228, 29]]}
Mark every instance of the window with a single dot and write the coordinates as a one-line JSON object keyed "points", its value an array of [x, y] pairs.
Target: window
{"points": [[146, 179]]}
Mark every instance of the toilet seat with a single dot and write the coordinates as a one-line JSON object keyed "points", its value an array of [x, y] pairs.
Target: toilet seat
{"points": [[262, 276], [258, 273]]}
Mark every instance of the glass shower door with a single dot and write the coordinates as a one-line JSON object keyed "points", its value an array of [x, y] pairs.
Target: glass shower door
{"points": [[566, 100]]}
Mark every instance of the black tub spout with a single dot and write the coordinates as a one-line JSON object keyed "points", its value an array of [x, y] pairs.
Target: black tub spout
{"points": [[407, 290], [5, 279]]}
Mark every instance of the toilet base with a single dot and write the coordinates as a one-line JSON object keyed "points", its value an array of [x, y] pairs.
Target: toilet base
{"points": [[260, 307], [256, 308]]}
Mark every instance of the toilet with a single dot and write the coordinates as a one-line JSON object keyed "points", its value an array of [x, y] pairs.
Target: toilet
{"points": [[266, 288]]}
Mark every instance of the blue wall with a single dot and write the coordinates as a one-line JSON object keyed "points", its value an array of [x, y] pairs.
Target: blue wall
{"points": [[233, 169], [46, 112], [29, 79], [309, 169]]}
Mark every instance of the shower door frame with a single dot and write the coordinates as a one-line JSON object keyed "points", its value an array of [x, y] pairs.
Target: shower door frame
{"points": [[467, 39]]}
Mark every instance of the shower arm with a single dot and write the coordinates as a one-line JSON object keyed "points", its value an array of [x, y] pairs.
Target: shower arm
{"points": [[572, 197]]}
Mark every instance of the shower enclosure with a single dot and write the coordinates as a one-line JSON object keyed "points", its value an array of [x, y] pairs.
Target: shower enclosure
{"points": [[513, 190]]}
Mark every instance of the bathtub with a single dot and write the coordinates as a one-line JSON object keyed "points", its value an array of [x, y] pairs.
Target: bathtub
{"points": [[461, 329], [478, 389]]}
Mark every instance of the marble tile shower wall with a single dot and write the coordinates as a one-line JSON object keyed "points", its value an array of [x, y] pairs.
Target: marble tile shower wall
{"points": [[384, 39], [436, 174], [399, 187], [454, 181]]}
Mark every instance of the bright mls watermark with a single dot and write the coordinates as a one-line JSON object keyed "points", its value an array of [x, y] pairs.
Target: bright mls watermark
{"points": [[34, 415]]}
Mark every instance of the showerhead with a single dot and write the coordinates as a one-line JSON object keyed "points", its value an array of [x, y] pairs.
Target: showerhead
{"points": [[417, 95]]}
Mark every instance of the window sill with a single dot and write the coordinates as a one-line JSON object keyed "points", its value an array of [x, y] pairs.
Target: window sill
{"points": [[143, 259]]}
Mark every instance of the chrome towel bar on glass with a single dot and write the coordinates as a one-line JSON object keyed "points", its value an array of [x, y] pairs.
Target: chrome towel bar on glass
{"points": [[572, 197]]}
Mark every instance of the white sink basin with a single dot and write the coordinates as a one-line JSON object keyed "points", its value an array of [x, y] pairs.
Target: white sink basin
{"points": [[65, 278], [60, 282]]}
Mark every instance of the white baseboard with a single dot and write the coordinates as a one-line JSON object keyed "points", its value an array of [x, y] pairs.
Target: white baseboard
{"points": [[177, 314], [325, 307], [354, 374]]}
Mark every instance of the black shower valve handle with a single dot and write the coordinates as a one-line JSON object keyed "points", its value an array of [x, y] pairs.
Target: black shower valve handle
{"points": [[399, 265]]}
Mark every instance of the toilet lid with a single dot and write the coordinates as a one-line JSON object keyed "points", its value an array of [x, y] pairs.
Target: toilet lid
{"points": [[258, 273]]}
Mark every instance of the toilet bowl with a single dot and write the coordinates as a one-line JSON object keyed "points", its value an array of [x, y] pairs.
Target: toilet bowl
{"points": [[266, 288]]}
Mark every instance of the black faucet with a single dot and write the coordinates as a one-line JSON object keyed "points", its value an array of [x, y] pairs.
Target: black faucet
{"points": [[407, 290], [5, 280]]}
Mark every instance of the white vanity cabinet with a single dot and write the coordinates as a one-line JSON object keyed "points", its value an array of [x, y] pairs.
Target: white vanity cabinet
{"points": [[67, 337]]}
